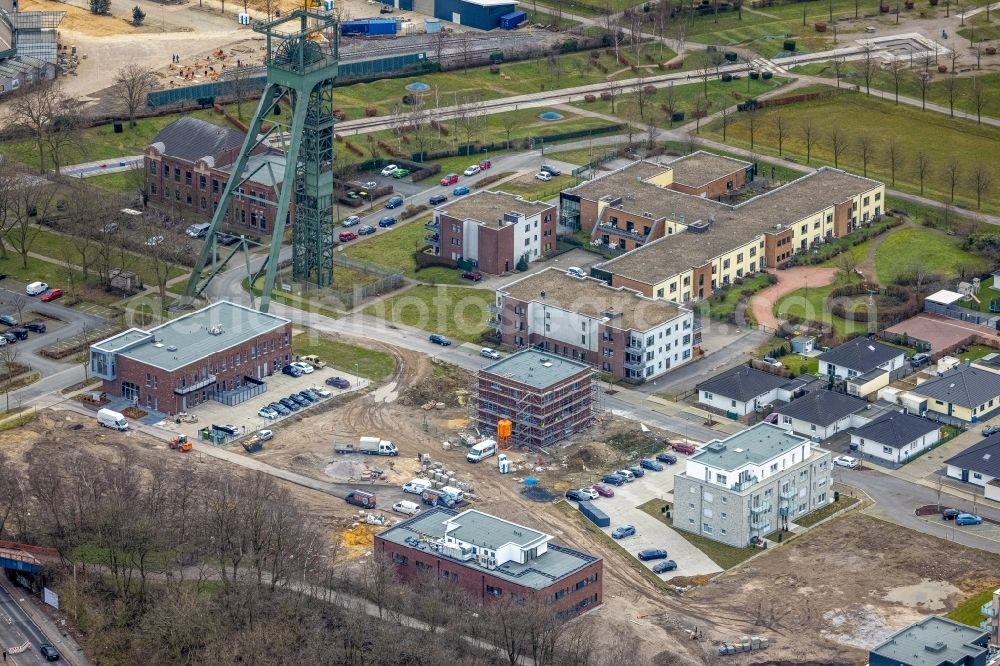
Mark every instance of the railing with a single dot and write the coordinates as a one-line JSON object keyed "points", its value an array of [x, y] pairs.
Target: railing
{"points": [[763, 507], [988, 609], [492, 308], [183, 390], [634, 365], [495, 323], [762, 528], [431, 226], [632, 344], [433, 238], [791, 493], [618, 231], [740, 486]]}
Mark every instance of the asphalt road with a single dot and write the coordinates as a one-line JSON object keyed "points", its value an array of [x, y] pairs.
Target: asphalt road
{"points": [[18, 630]]}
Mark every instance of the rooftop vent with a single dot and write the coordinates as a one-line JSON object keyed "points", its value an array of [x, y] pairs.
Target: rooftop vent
{"points": [[157, 344], [936, 646], [542, 294], [216, 330], [699, 227], [172, 348], [647, 214], [717, 447], [611, 314], [546, 363], [738, 450]]}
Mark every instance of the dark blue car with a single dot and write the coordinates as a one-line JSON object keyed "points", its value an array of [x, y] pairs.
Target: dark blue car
{"points": [[646, 463], [387, 222], [613, 479], [652, 554], [394, 202], [291, 371]]}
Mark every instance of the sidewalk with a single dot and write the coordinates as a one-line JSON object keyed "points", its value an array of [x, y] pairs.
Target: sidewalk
{"points": [[68, 648]]}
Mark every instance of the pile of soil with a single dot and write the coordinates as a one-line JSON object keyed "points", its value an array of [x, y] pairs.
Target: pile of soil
{"points": [[448, 384], [537, 494]]}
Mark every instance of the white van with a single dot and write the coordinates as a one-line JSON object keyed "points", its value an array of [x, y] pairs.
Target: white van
{"points": [[36, 288], [417, 486], [454, 493], [198, 230], [406, 508], [112, 419], [576, 271], [483, 449]]}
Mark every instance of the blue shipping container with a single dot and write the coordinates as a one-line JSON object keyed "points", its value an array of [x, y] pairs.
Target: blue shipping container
{"points": [[512, 20], [368, 27], [595, 515]]}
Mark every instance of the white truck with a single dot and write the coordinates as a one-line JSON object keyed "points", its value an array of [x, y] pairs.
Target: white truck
{"points": [[372, 446], [482, 450], [111, 419], [417, 486]]}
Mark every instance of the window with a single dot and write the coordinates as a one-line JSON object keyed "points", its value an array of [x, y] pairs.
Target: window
{"points": [[401, 560], [708, 497], [977, 476], [725, 499], [887, 449], [720, 479], [422, 566], [494, 591], [723, 531], [787, 420], [708, 396], [706, 528], [723, 515]]}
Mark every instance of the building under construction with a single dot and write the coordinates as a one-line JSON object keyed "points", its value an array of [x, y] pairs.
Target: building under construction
{"points": [[545, 397]]}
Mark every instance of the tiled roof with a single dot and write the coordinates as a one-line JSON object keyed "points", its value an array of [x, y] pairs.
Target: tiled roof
{"points": [[742, 383], [964, 386], [192, 139], [982, 457], [896, 429], [861, 354], [823, 407]]}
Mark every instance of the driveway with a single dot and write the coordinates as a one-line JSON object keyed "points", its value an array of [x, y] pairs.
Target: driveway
{"points": [[762, 303], [650, 532]]}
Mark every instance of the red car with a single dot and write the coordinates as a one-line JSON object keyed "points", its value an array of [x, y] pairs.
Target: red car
{"points": [[603, 490], [347, 236], [475, 276], [52, 294], [450, 179], [683, 447], [485, 164]]}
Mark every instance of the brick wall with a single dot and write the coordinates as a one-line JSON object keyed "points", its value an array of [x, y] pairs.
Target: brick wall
{"points": [[778, 247]]}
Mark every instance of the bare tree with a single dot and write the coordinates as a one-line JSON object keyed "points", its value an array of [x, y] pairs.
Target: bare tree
{"points": [[982, 182], [953, 172], [847, 262], [753, 123], [44, 112], [613, 89], [642, 97], [30, 201], [809, 135], [132, 83], [161, 256], [466, 49], [782, 128], [893, 157], [651, 133], [9, 179], [866, 151], [925, 82], [922, 165], [838, 68], [868, 68], [670, 104], [951, 88], [508, 122], [724, 117], [242, 88], [8, 364], [978, 98], [896, 69], [838, 144], [701, 108]]}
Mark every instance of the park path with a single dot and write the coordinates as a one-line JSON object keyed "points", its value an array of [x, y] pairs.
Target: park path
{"points": [[762, 303], [867, 266]]}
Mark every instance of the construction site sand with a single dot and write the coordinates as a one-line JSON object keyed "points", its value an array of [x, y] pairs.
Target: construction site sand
{"points": [[80, 20]]}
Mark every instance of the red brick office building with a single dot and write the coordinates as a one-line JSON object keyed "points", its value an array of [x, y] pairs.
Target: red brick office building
{"points": [[190, 161], [223, 352], [490, 558]]}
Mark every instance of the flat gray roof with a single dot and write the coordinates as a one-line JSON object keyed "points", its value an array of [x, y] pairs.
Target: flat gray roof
{"points": [[629, 309], [488, 208], [701, 168], [558, 561], [482, 529], [933, 641], [187, 339], [537, 369], [757, 444]]}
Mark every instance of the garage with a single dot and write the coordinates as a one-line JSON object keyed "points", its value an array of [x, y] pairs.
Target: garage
{"points": [[482, 14]]}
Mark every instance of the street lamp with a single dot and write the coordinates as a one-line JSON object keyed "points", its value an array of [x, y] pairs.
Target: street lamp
{"points": [[357, 377]]}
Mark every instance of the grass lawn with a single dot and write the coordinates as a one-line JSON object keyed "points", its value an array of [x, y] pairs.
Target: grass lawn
{"points": [[532, 189], [968, 611], [456, 312], [977, 29], [940, 137], [581, 156], [395, 250], [801, 365], [722, 304], [810, 303], [54, 245], [101, 142], [114, 182], [552, 19], [17, 422], [822, 513], [976, 352], [375, 365], [725, 556], [940, 254]]}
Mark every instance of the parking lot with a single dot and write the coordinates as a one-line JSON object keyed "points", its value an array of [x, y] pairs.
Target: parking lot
{"points": [[650, 532], [244, 416]]}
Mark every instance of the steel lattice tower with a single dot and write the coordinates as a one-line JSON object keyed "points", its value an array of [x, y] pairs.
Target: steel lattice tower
{"points": [[302, 63]]}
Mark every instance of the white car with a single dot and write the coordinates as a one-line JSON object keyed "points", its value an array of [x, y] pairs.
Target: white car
{"points": [[3, 341], [153, 241], [370, 184], [352, 221], [267, 413], [590, 492], [543, 175], [846, 461], [472, 170], [489, 353], [265, 435], [389, 169], [575, 271], [773, 362], [304, 367], [322, 392]]}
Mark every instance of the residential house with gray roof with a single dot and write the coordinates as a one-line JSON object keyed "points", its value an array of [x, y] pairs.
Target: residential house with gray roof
{"points": [[744, 487], [822, 414], [964, 393], [743, 389], [979, 465], [896, 436], [860, 356]]}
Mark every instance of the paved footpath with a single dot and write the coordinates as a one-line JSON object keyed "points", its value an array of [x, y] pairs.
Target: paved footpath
{"points": [[762, 303]]}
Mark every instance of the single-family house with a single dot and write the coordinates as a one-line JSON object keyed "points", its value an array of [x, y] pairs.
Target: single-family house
{"points": [[896, 436], [979, 465], [965, 393], [860, 356], [740, 391], [822, 414]]}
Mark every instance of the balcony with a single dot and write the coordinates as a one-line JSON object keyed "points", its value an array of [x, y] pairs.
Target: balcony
{"points": [[495, 323], [988, 610], [791, 493], [493, 308], [184, 390], [740, 486], [634, 345], [632, 364], [761, 528], [763, 507], [431, 226], [618, 231], [431, 238]]}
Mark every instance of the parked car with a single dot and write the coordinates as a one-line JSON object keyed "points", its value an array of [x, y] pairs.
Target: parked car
{"points": [[366, 230], [388, 171], [950, 514], [361, 498], [623, 531], [306, 395], [577, 495], [292, 371], [613, 479], [683, 447], [49, 652], [320, 391], [647, 463], [551, 170], [771, 418], [590, 493], [279, 408], [664, 566], [449, 179], [3, 341], [35, 288], [991, 430], [400, 173], [460, 190], [299, 400], [346, 236], [543, 175], [37, 326], [666, 458], [20, 332], [8, 320], [290, 405], [576, 271], [306, 368], [918, 360], [485, 164], [652, 554], [603, 490], [387, 222], [394, 202], [486, 352], [9, 337], [437, 199], [475, 276], [267, 413], [626, 474], [637, 471], [226, 239], [440, 340], [370, 184], [771, 361], [265, 435], [338, 382], [353, 220], [51, 295], [968, 519], [472, 170], [846, 461]]}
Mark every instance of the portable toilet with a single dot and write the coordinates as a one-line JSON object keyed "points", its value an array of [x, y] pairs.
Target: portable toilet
{"points": [[328, 5], [432, 25], [244, 19], [503, 462]]}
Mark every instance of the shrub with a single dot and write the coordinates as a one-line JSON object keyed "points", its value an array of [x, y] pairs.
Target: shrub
{"points": [[102, 7], [589, 98], [649, 90], [606, 96], [371, 111], [138, 16]]}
